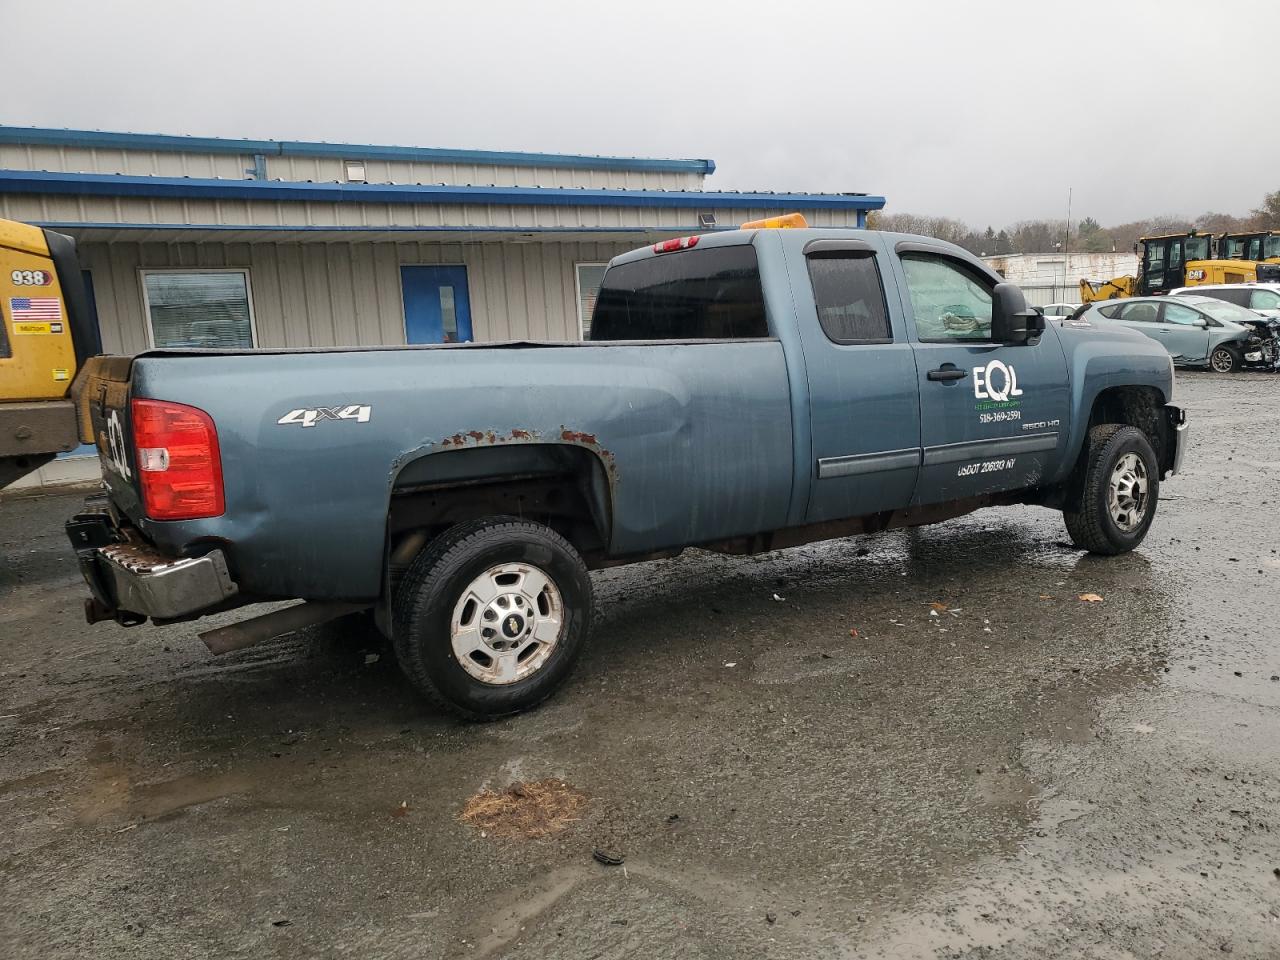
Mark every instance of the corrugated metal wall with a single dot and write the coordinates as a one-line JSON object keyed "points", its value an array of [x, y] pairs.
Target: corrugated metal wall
{"points": [[321, 169], [42, 208], [339, 294]]}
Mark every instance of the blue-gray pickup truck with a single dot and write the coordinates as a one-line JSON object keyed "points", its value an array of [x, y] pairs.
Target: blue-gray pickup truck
{"points": [[740, 391]]}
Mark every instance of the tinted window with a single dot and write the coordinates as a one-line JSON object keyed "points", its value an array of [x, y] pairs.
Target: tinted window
{"points": [[850, 299], [708, 294], [949, 302], [1155, 263], [1110, 311], [1231, 296]]}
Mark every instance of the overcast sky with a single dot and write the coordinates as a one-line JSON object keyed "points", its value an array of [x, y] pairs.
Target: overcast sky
{"points": [[985, 111]]}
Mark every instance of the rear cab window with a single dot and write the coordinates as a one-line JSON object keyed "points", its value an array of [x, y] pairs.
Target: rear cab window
{"points": [[712, 293], [849, 295]]}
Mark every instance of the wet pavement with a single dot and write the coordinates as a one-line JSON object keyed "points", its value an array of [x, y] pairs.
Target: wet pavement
{"points": [[847, 771]]}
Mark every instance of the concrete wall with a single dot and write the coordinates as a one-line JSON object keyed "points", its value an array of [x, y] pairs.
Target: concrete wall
{"points": [[1055, 277], [349, 294]]}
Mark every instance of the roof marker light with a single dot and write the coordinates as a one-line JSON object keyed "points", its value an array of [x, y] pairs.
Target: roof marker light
{"points": [[787, 221]]}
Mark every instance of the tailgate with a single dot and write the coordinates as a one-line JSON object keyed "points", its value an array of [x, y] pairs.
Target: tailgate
{"points": [[101, 395]]}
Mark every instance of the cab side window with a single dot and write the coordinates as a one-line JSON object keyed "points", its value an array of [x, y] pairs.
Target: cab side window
{"points": [[849, 297], [949, 302]]}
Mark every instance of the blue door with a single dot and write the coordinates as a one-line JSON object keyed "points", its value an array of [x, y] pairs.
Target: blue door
{"points": [[993, 416], [437, 308], [865, 404]]}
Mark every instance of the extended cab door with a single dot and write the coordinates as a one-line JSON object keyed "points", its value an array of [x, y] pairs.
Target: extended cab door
{"points": [[994, 417], [863, 397]]}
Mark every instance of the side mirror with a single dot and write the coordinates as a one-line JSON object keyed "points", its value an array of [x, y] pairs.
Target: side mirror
{"points": [[1202, 323], [1012, 321]]}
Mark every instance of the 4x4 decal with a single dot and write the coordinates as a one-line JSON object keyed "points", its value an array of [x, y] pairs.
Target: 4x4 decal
{"points": [[360, 412]]}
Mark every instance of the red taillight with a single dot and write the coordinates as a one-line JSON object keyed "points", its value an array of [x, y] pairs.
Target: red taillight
{"points": [[679, 243], [179, 464]]}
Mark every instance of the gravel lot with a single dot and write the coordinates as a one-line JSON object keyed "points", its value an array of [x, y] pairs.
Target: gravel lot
{"points": [[1020, 774]]}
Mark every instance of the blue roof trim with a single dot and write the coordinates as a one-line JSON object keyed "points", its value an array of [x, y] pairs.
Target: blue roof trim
{"points": [[114, 185], [319, 228], [45, 136]]}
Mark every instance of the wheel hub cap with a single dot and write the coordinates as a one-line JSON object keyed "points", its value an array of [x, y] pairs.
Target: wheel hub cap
{"points": [[506, 623], [1129, 492]]}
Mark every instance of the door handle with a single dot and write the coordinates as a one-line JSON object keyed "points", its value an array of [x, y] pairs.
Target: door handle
{"points": [[947, 373]]}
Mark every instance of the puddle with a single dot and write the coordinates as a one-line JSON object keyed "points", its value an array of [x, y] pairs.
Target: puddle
{"points": [[111, 794]]}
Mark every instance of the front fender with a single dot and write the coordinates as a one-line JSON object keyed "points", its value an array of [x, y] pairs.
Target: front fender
{"points": [[1100, 360]]}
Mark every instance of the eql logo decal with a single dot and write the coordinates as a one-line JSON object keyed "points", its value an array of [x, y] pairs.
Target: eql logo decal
{"points": [[996, 381]]}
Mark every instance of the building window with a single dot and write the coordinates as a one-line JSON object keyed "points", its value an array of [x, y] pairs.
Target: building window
{"points": [[198, 308], [589, 277], [354, 171]]}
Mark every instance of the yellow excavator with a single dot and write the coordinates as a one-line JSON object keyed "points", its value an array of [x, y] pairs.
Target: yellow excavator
{"points": [[1262, 246], [46, 332], [1177, 260]]}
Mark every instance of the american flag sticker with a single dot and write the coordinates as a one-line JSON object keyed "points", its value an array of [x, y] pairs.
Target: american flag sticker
{"points": [[35, 311]]}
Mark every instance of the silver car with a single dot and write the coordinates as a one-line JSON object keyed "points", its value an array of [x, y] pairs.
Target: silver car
{"points": [[1196, 330]]}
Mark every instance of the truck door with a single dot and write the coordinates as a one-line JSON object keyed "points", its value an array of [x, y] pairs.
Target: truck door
{"points": [[864, 400], [993, 416]]}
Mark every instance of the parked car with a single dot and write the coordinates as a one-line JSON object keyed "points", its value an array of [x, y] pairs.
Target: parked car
{"points": [[742, 391], [1059, 309], [1262, 298], [1196, 330]]}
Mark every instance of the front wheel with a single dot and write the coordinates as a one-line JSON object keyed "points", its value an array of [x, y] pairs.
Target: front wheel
{"points": [[1225, 359], [1118, 487], [492, 616]]}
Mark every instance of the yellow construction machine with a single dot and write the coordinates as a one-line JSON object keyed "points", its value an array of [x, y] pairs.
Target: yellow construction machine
{"points": [[46, 332], [1262, 246], [1177, 260]]}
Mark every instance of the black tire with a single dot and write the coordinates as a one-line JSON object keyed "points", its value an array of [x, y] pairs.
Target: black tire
{"points": [[438, 579], [1093, 527], [1225, 358]]}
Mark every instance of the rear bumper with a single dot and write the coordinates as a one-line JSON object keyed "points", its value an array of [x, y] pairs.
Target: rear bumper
{"points": [[131, 582]]}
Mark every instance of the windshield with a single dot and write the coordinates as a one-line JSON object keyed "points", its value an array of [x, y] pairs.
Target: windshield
{"points": [[1273, 247], [1197, 248], [1228, 312]]}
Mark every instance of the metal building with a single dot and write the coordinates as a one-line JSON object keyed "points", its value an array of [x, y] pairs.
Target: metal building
{"points": [[196, 241]]}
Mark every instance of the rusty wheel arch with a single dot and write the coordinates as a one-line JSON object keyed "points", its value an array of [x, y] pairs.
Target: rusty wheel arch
{"points": [[565, 479]]}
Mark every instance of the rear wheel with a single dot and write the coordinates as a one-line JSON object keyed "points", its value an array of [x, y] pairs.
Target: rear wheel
{"points": [[1118, 488], [492, 616], [1225, 359]]}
